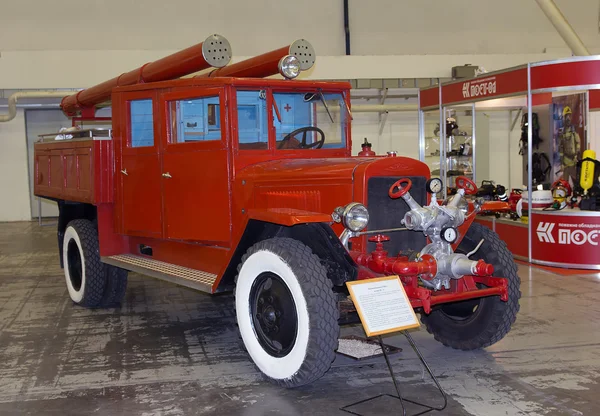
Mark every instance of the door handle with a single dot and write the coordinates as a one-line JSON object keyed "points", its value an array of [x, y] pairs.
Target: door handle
{"points": [[124, 172], [166, 175]]}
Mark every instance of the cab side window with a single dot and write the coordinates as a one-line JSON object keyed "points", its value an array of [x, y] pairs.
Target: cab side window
{"points": [[142, 123], [195, 120], [252, 120]]}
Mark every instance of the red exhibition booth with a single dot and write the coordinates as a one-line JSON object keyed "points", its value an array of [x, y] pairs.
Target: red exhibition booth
{"points": [[564, 238]]}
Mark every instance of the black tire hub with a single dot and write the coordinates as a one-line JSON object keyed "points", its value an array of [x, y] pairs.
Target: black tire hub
{"points": [[464, 311], [74, 265], [274, 315]]}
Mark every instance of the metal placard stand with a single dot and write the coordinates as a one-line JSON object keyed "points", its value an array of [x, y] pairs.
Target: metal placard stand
{"points": [[428, 408], [391, 288]]}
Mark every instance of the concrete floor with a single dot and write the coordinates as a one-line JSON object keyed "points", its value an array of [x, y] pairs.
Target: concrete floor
{"points": [[172, 351]]}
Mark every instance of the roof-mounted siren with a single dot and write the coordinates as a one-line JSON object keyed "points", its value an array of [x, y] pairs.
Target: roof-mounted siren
{"points": [[288, 61], [215, 51]]}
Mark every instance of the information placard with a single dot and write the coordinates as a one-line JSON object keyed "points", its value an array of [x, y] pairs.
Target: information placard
{"points": [[382, 305]]}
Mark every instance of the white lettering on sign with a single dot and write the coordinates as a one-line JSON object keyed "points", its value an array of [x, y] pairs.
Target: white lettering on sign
{"points": [[544, 232], [566, 235], [466, 93], [480, 87]]}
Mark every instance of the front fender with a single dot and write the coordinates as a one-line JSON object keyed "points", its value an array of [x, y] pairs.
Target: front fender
{"points": [[287, 216]]}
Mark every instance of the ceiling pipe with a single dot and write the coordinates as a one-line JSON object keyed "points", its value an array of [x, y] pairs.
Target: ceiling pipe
{"points": [[378, 97], [347, 26], [562, 26], [12, 100], [383, 108]]}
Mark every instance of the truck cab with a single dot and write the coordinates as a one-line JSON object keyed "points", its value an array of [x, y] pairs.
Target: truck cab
{"points": [[197, 160]]}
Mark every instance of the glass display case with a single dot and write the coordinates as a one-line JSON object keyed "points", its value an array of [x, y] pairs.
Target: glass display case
{"points": [[459, 146], [448, 143], [431, 145]]}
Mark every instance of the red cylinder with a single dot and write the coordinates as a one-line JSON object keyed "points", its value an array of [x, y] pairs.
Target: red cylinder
{"points": [[214, 51], [366, 149], [267, 64]]}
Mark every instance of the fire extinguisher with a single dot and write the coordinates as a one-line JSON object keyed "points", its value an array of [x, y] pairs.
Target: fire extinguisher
{"points": [[515, 196], [366, 149]]}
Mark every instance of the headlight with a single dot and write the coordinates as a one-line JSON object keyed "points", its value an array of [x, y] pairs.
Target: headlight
{"points": [[353, 216], [289, 67]]}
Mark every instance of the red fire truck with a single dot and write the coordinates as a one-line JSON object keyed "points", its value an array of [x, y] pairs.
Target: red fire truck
{"points": [[232, 181]]}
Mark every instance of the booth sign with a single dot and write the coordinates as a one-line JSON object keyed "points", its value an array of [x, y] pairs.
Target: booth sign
{"points": [[570, 239]]}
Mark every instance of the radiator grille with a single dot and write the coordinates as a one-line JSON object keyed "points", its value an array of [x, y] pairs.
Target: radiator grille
{"points": [[385, 212]]}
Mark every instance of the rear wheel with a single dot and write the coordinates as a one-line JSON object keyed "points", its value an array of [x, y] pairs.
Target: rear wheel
{"points": [[479, 323], [84, 272], [286, 311]]}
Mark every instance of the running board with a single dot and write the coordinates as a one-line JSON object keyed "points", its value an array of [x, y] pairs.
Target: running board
{"points": [[195, 279]]}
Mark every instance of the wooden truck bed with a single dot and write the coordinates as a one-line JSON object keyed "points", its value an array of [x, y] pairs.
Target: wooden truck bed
{"points": [[79, 170]]}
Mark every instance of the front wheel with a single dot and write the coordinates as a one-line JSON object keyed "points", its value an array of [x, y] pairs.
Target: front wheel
{"points": [[479, 323], [286, 311]]}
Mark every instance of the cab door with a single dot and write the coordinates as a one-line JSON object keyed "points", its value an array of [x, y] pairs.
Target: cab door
{"points": [[139, 171], [196, 185]]}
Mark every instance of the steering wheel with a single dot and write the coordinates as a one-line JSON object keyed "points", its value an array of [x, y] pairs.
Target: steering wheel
{"points": [[303, 145], [462, 182], [402, 190]]}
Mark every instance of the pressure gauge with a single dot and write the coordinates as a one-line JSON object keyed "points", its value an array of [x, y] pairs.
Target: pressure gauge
{"points": [[434, 185], [449, 234]]}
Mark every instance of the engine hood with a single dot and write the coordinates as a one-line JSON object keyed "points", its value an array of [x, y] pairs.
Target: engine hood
{"points": [[341, 170]]}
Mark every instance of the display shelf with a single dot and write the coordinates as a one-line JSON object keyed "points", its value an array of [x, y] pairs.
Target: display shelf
{"points": [[454, 151], [459, 145]]}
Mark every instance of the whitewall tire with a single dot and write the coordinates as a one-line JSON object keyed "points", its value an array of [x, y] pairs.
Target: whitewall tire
{"points": [[286, 311], [85, 275]]}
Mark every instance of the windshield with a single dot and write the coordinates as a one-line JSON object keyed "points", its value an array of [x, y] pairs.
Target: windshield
{"points": [[309, 120]]}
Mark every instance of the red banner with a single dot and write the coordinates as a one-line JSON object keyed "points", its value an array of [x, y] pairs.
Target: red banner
{"points": [[429, 97], [540, 99], [511, 82], [566, 239], [565, 74], [594, 100]]}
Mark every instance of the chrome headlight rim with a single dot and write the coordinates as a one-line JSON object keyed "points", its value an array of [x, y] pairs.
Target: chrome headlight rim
{"points": [[289, 67], [355, 216]]}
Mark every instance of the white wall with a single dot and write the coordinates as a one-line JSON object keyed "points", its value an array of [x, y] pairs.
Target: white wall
{"points": [[378, 27], [47, 69], [60, 44], [407, 27], [505, 162], [400, 133], [14, 176]]}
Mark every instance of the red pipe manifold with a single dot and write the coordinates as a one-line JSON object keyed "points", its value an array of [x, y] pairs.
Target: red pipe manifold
{"points": [[426, 267], [215, 51]]}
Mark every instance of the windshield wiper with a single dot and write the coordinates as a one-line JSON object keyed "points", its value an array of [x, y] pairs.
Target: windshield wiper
{"points": [[347, 108], [276, 110], [325, 105]]}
